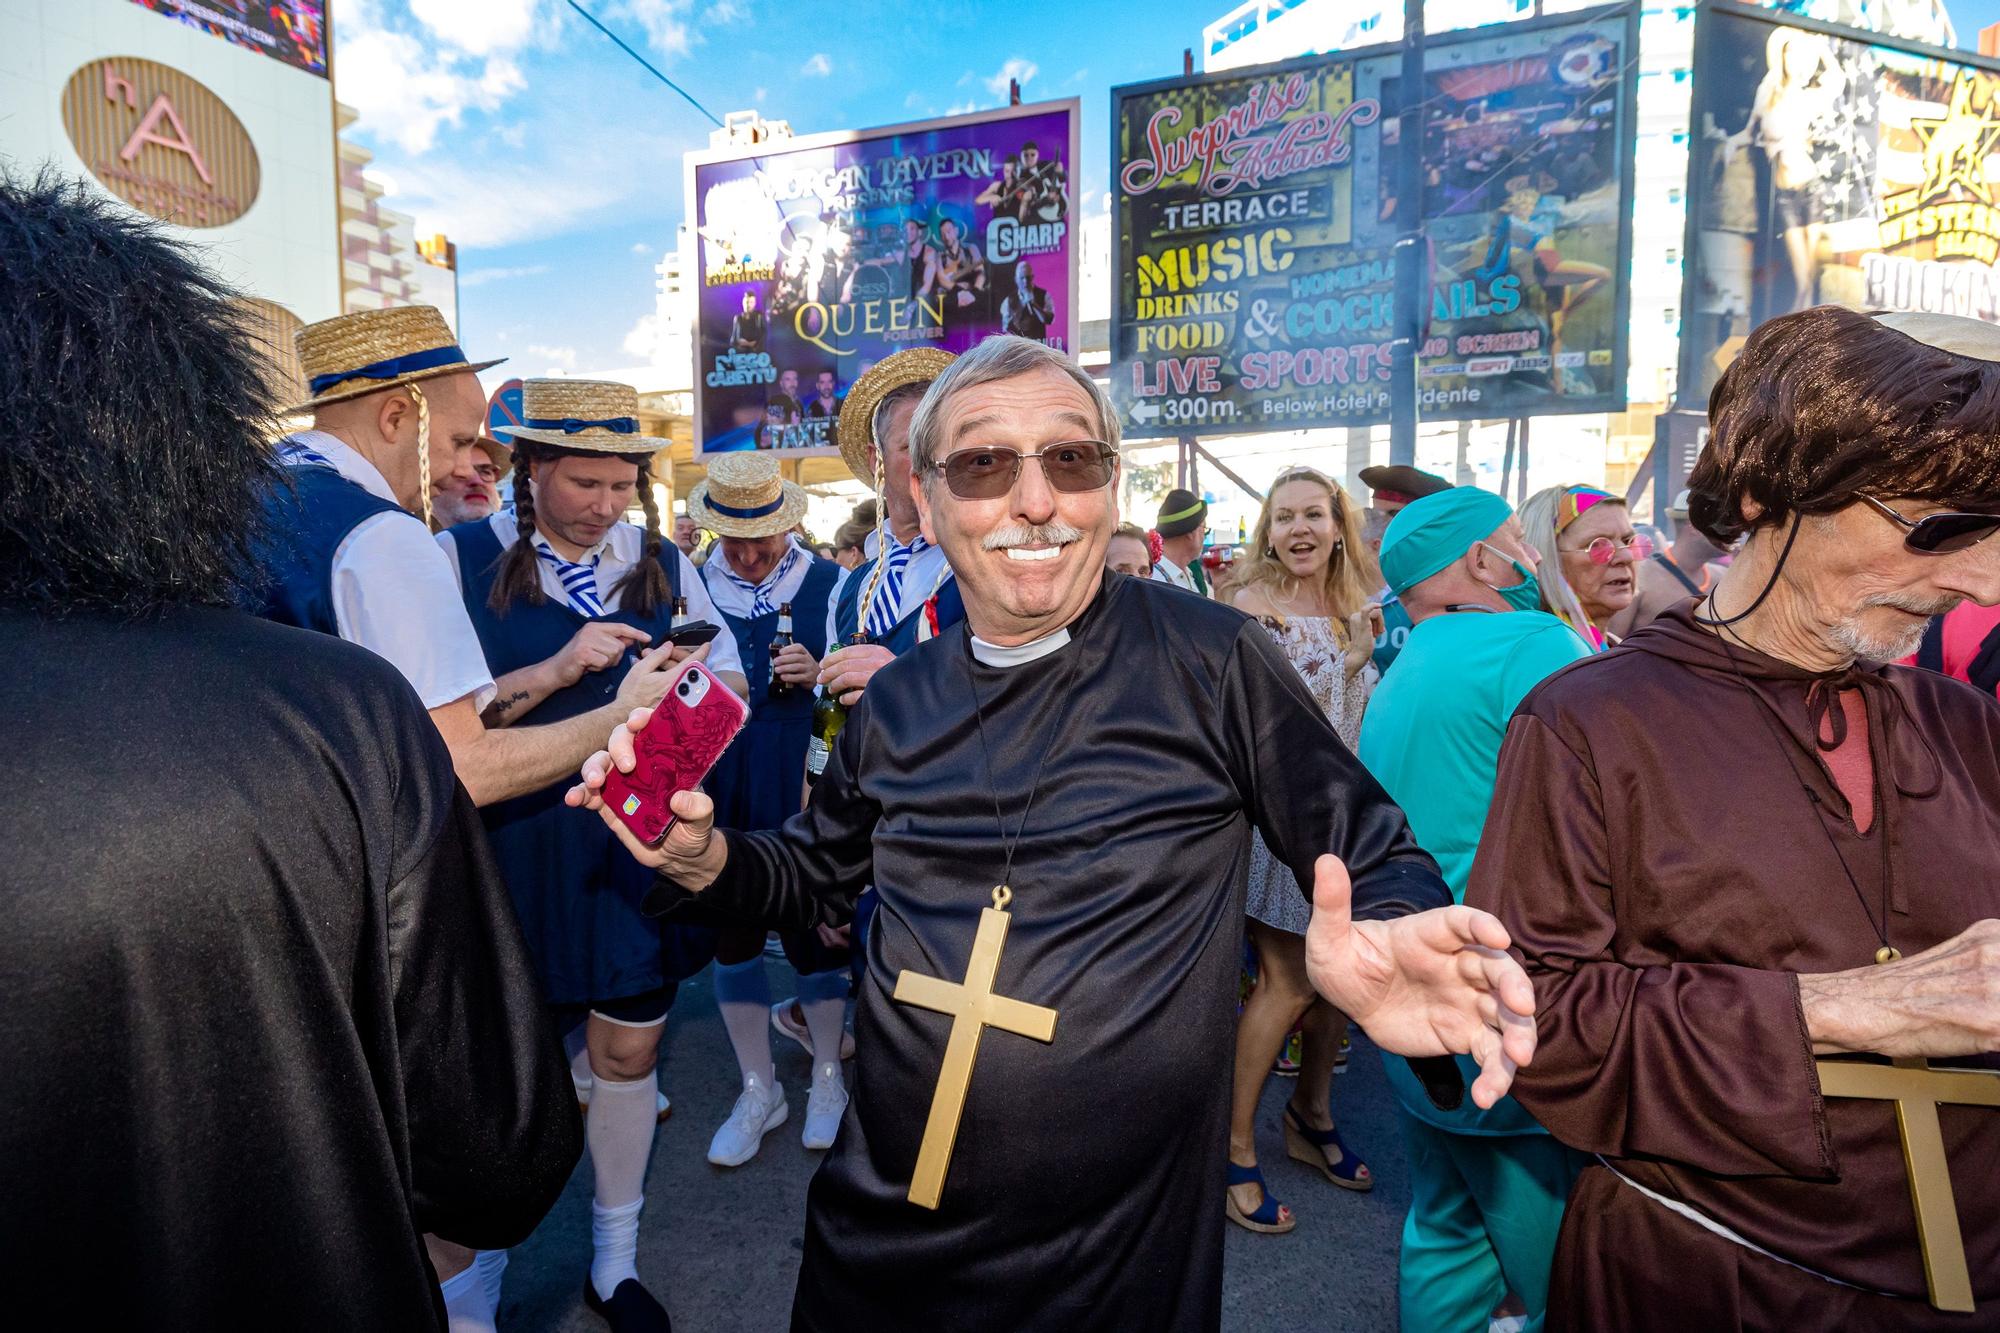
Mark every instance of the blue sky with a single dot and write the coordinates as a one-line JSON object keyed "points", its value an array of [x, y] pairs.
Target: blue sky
{"points": [[555, 161]]}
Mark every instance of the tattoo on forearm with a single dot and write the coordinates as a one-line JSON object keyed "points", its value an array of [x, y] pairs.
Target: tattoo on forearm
{"points": [[499, 708]]}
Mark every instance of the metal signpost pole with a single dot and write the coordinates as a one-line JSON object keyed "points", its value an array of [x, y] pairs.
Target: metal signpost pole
{"points": [[1410, 294]]}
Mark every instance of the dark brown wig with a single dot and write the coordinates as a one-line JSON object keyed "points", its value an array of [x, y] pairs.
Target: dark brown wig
{"points": [[1827, 403]]}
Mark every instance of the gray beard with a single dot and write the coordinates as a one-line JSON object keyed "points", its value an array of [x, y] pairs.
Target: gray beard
{"points": [[1850, 638]]}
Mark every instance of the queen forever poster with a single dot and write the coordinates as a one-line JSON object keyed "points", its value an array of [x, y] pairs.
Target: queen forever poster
{"points": [[818, 257], [1253, 237]]}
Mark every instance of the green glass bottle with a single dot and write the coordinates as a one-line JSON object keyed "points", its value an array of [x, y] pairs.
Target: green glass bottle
{"points": [[829, 716]]}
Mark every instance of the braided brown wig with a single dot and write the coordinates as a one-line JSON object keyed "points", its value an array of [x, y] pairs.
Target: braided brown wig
{"points": [[642, 591]]}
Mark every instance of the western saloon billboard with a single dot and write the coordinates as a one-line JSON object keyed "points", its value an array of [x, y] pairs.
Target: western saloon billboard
{"points": [[1254, 230], [817, 257], [1829, 167]]}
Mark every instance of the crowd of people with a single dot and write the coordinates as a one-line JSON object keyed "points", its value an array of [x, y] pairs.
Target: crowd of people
{"points": [[328, 959]]}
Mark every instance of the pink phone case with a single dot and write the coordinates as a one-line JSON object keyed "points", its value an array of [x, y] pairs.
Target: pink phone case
{"points": [[690, 729]]}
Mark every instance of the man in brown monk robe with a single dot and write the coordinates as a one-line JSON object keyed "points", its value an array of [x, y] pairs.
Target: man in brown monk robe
{"points": [[1700, 945]]}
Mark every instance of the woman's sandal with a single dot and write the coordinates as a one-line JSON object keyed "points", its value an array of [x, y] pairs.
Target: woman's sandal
{"points": [[1309, 1145], [1271, 1217]]}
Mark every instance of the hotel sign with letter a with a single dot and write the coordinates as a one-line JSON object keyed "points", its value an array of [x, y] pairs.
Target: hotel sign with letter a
{"points": [[161, 141]]}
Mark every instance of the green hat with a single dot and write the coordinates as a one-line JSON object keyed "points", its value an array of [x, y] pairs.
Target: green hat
{"points": [[1432, 532], [1180, 513]]}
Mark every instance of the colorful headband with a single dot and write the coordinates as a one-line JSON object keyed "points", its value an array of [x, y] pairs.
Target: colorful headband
{"points": [[1577, 501]]}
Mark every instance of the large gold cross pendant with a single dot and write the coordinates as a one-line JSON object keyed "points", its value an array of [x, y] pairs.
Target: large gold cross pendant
{"points": [[973, 1008], [1918, 1090]]}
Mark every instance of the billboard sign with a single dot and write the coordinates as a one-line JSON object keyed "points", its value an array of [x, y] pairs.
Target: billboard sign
{"points": [[161, 141], [1831, 168], [1253, 238], [293, 31], [817, 257]]}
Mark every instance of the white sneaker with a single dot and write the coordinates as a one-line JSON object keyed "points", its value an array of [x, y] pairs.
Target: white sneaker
{"points": [[825, 1104], [758, 1111]]}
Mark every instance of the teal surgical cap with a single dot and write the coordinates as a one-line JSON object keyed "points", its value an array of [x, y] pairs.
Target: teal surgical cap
{"points": [[1430, 533]]}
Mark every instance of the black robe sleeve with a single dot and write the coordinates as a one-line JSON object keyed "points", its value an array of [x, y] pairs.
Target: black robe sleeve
{"points": [[808, 871], [1309, 795], [494, 1129]]}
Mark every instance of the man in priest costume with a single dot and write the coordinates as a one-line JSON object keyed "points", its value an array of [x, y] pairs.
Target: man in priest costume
{"points": [[1748, 865], [266, 1013], [1077, 935]]}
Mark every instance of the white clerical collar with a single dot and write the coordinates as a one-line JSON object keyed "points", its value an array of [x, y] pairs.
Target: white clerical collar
{"points": [[1018, 654]]}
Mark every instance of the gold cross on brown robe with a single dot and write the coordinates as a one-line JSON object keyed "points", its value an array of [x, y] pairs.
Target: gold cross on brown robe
{"points": [[973, 1008], [1918, 1090]]}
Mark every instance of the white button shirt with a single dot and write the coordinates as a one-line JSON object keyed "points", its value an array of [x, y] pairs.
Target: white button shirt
{"points": [[1166, 571], [395, 597], [737, 602], [619, 552]]}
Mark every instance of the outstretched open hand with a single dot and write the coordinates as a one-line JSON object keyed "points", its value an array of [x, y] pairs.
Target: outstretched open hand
{"points": [[1435, 983]]}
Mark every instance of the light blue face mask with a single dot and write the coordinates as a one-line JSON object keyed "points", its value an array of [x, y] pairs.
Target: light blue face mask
{"points": [[1525, 595]]}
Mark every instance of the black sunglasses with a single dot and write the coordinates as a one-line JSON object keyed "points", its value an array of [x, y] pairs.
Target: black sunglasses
{"points": [[988, 472], [1935, 534]]}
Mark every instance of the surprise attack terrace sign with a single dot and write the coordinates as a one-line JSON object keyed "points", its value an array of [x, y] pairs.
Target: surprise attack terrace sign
{"points": [[161, 141]]}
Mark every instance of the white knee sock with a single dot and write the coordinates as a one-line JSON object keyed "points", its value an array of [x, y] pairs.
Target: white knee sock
{"points": [[823, 1000], [491, 1265], [620, 1134], [466, 1308], [744, 997]]}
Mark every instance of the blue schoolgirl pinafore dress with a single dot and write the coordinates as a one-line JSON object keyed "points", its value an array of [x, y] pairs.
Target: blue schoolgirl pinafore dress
{"points": [[757, 783], [575, 888]]}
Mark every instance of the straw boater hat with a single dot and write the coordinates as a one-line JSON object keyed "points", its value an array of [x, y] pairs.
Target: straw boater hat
{"points": [[912, 365], [502, 456], [743, 496], [351, 356], [597, 416]]}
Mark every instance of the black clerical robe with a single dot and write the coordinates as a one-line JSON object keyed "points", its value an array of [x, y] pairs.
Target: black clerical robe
{"points": [[1086, 1187], [1653, 849], [265, 1015]]}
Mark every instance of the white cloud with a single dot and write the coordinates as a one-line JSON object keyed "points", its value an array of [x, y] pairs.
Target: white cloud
{"points": [[818, 67], [479, 277], [559, 358], [1015, 68], [644, 339], [488, 206], [407, 88], [481, 27], [762, 96], [641, 248], [960, 108], [665, 23]]}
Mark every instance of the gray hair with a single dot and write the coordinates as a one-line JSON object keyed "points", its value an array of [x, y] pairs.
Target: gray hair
{"points": [[1001, 357]]}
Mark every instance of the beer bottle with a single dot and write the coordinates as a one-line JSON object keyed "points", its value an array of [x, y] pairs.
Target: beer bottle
{"points": [[829, 716], [780, 641], [681, 616]]}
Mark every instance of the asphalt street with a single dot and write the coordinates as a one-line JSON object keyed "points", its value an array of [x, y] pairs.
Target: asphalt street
{"points": [[721, 1246]]}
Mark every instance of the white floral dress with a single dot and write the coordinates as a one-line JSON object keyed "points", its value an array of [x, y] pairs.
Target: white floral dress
{"points": [[1314, 648]]}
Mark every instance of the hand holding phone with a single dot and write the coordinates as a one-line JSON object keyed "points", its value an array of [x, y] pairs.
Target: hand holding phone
{"points": [[674, 751]]}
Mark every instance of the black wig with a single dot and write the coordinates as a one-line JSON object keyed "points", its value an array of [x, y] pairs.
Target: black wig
{"points": [[135, 451]]}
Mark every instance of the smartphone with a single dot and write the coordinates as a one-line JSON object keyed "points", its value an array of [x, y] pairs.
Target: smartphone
{"points": [[690, 729], [693, 634]]}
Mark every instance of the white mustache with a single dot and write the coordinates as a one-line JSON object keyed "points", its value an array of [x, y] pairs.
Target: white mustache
{"points": [[1053, 533]]}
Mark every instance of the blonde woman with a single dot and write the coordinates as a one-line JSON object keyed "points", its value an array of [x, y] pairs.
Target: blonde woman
{"points": [[1590, 557], [1309, 576]]}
